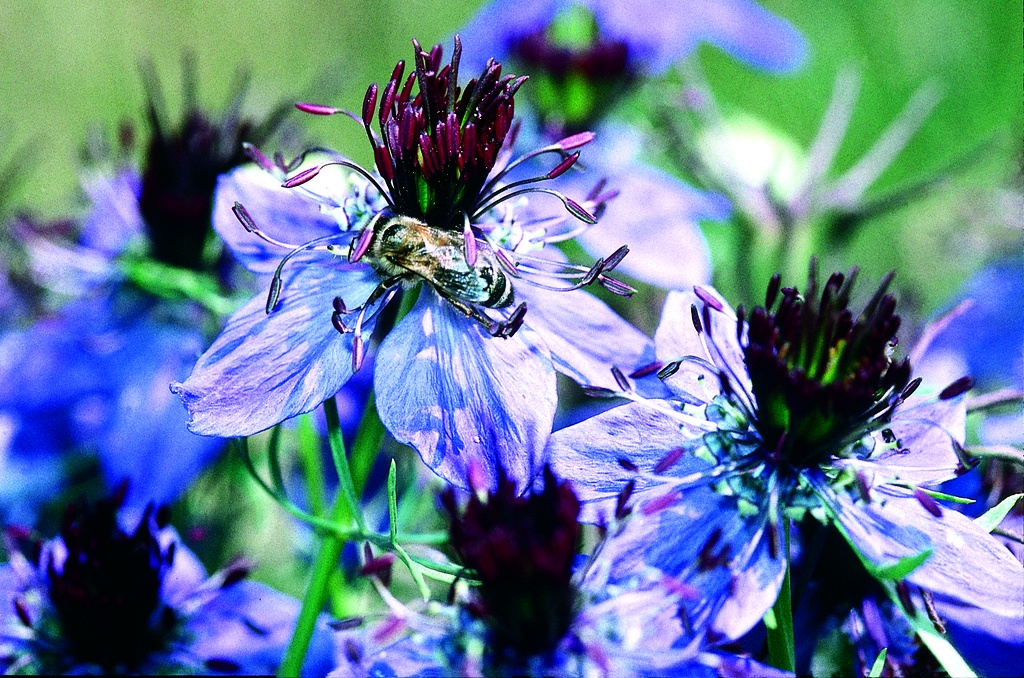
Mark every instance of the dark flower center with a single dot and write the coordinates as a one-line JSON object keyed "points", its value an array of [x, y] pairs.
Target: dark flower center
{"points": [[435, 150], [107, 592], [181, 170], [577, 71], [522, 550], [818, 373]]}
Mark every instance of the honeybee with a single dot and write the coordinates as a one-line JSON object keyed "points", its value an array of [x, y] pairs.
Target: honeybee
{"points": [[402, 248]]}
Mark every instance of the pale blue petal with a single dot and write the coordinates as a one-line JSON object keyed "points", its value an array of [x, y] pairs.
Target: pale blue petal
{"points": [[967, 564], [930, 433], [657, 216], [115, 217], [585, 336], [661, 34], [251, 625], [587, 454], [263, 369], [496, 27], [281, 213], [455, 394]]}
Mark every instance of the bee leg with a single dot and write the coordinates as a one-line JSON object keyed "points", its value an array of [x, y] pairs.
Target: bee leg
{"points": [[496, 328]]}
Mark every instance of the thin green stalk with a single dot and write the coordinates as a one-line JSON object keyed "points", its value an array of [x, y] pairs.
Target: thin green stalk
{"points": [[781, 652], [312, 465], [344, 512]]}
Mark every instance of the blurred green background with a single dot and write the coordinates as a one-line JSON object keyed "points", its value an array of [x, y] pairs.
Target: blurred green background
{"points": [[67, 66]]}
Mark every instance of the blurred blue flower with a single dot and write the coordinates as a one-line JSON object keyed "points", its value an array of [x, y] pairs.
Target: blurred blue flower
{"points": [[451, 380], [536, 611], [647, 37], [795, 409], [111, 595], [585, 56], [142, 288]]}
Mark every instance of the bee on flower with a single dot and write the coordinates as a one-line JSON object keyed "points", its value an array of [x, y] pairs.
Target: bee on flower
{"points": [[469, 372]]}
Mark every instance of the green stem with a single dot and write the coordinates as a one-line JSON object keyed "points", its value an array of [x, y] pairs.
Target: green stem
{"points": [[312, 465], [781, 652], [343, 512]]}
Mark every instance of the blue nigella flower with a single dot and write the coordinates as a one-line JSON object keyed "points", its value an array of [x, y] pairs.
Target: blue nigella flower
{"points": [[584, 57], [106, 598], [534, 612], [469, 373], [978, 336], [93, 376], [793, 410]]}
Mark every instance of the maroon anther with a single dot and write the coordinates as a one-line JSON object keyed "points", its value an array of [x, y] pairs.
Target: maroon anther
{"points": [[620, 379], [562, 167], [346, 624], [628, 465], [695, 318], [958, 387], [369, 103], [708, 298], [302, 177], [361, 245], [615, 258], [622, 508], [928, 502], [339, 324], [236, 572], [575, 141], [646, 370], [21, 610], [669, 460], [339, 306]]}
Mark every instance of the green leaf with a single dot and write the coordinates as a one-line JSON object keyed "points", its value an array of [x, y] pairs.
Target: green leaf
{"points": [[876, 668], [900, 569], [392, 502], [990, 519]]}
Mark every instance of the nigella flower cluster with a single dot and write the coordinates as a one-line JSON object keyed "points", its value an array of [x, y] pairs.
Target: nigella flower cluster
{"points": [[469, 373], [104, 598], [535, 611], [793, 411]]}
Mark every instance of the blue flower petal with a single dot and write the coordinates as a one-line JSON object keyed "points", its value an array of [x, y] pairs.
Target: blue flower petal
{"points": [[115, 217], [587, 454], [930, 434], [456, 394], [281, 213], [704, 541], [742, 28], [585, 336], [967, 564], [148, 420], [656, 215], [264, 368]]}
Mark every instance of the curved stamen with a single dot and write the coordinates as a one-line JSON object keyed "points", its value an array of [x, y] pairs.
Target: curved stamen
{"points": [[275, 282], [573, 207]]}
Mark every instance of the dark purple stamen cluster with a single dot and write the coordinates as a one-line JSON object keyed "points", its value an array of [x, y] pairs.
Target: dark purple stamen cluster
{"points": [[522, 550], [436, 149], [819, 374], [106, 593], [181, 170]]}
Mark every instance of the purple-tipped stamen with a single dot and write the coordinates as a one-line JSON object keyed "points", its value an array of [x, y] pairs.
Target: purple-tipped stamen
{"points": [[316, 109]]}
